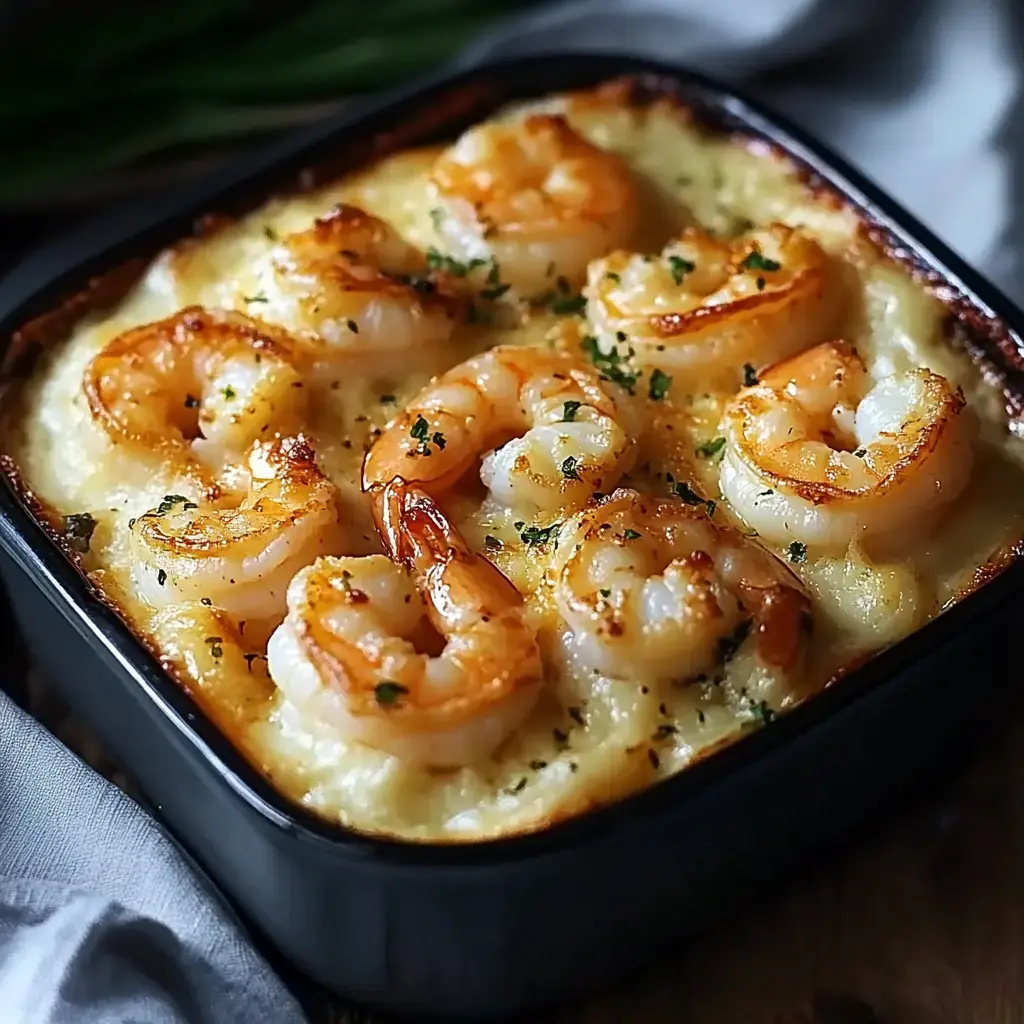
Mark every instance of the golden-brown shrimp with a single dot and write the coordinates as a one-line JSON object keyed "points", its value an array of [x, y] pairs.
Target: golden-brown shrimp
{"points": [[563, 432], [240, 559], [703, 308], [354, 287], [651, 588], [205, 382], [535, 198], [821, 455], [347, 651]]}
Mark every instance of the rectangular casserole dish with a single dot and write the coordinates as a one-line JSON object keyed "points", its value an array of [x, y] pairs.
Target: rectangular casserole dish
{"points": [[502, 926]]}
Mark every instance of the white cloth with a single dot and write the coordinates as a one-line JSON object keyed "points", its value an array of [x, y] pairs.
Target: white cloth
{"points": [[101, 919]]}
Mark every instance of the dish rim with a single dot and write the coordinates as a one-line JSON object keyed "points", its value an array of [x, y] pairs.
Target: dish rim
{"points": [[28, 543]]}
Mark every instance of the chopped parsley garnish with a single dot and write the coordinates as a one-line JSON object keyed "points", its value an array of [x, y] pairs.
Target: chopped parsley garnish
{"points": [[612, 364], [570, 468], [561, 738], [763, 711], [492, 542], [700, 716], [191, 402], [437, 217], [680, 268], [686, 494], [760, 284], [214, 643], [229, 393], [613, 277], [256, 298], [495, 289], [421, 432], [576, 715], [270, 233], [517, 788], [711, 449], [567, 305], [161, 576], [764, 494], [652, 756], [538, 535], [78, 531], [709, 507], [605, 592], [860, 453], [170, 500], [756, 260], [439, 261], [659, 384], [388, 693], [206, 601], [797, 552], [569, 411], [387, 399], [749, 375], [630, 534], [727, 646], [353, 326], [664, 731], [538, 765]]}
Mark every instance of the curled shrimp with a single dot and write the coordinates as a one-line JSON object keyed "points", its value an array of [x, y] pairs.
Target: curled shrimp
{"points": [[240, 559], [651, 588], [820, 455], [347, 650], [207, 382], [535, 197], [352, 284], [703, 307], [563, 432]]}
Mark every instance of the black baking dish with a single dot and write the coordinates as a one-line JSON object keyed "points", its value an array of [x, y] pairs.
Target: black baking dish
{"points": [[502, 926]]}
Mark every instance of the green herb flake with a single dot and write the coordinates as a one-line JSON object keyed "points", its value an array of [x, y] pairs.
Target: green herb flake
{"points": [[658, 386], [860, 453], [605, 592], [613, 277], [756, 260], [437, 217], [191, 402], [536, 766], [271, 234], [214, 643], [711, 449], [388, 399], [652, 756], [439, 261], [206, 601], [630, 534], [570, 468], [78, 531], [686, 494], [680, 268], [161, 576], [749, 375], [229, 393], [255, 298], [797, 552], [569, 411], [388, 693], [561, 738], [664, 731], [576, 714], [611, 365], [517, 788], [353, 326], [763, 711], [728, 645], [491, 542], [539, 535], [567, 305], [760, 284], [420, 432]]}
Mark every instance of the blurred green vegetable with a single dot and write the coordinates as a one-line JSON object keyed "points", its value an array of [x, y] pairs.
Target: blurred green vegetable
{"points": [[101, 86]]}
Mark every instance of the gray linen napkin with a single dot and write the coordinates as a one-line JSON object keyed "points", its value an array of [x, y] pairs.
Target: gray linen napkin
{"points": [[101, 918]]}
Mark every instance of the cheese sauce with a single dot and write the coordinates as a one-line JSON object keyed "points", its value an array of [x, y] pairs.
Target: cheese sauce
{"points": [[595, 732]]}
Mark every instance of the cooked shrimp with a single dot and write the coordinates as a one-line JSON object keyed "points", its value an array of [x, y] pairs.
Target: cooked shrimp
{"points": [[820, 455], [347, 649], [563, 432], [354, 286], [703, 307], [535, 197], [240, 559], [651, 588], [207, 382]]}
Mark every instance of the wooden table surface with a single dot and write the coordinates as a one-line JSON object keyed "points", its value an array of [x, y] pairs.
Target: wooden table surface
{"points": [[920, 923]]}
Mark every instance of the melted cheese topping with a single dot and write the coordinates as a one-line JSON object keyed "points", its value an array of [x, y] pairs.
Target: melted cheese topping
{"points": [[591, 738]]}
